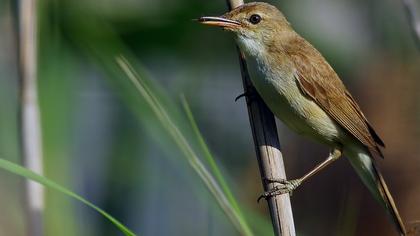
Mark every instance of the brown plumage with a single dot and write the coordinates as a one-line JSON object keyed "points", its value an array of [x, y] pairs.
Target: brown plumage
{"points": [[302, 90], [319, 81]]}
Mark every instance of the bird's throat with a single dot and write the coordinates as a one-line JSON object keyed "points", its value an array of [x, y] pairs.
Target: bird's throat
{"points": [[251, 46]]}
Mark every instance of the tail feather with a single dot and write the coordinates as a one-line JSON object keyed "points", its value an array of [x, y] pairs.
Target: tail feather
{"points": [[371, 176], [389, 201]]}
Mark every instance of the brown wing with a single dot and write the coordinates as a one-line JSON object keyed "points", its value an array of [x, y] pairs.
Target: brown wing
{"points": [[318, 81]]}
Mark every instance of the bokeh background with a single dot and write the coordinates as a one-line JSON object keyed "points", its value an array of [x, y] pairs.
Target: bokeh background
{"points": [[111, 151]]}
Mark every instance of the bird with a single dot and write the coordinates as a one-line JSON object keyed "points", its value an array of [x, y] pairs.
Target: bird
{"points": [[301, 89]]}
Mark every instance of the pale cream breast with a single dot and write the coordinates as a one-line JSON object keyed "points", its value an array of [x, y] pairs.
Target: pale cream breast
{"points": [[282, 95], [278, 87]]}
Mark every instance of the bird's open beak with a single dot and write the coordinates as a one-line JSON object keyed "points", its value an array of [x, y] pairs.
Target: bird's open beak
{"points": [[218, 21]]}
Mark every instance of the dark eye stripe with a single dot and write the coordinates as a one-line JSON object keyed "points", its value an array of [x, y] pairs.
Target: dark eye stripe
{"points": [[255, 19]]}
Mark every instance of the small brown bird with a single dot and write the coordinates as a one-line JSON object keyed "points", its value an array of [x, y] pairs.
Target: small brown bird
{"points": [[302, 90]]}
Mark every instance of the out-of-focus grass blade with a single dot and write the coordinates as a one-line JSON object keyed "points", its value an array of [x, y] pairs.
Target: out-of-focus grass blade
{"points": [[165, 119], [208, 155], [103, 45], [21, 171], [261, 225]]}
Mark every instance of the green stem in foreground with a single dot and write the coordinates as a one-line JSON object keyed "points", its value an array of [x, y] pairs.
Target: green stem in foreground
{"points": [[181, 141], [21, 171], [208, 155]]}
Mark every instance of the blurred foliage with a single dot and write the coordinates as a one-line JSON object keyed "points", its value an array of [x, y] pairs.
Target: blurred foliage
{"points": [[28, 174]]}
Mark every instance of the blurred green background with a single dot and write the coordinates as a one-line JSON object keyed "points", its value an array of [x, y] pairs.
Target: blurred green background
{"points": [[99, 143]]}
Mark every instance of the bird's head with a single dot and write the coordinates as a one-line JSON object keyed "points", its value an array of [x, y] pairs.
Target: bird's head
{"points": [[257, 25]]}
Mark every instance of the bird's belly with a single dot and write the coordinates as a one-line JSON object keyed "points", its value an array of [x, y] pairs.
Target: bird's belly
{"points": [[298, 112]]}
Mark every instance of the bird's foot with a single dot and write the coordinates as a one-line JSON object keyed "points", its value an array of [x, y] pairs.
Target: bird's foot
{"points": [[285, 186]]}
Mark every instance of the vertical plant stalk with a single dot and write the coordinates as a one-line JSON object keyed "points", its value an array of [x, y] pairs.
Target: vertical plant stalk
{"points": [[30, 123], [411, 9], [267, 148]]}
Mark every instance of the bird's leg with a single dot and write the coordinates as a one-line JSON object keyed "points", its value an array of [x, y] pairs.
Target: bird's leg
{"points": [[287, 186]]}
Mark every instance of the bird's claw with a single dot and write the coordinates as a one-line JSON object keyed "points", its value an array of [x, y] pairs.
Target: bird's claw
{"points": [[240, 96], [250, 94], [285, 186]]}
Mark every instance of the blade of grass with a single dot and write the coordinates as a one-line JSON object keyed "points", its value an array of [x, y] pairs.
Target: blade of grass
{"points": [[208, 155], [28, 174], [260, 225], [162, 115], [103, 46], [158, 107]]}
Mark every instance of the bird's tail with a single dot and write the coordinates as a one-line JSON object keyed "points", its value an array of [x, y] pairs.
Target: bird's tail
{"points": [[366, 168]]}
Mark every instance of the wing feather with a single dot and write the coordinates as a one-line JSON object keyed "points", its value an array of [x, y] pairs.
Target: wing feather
{"points": [[318, 81]]}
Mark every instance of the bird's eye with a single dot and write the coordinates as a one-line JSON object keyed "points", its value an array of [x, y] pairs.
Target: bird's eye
{"points": [[255, 19]]}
